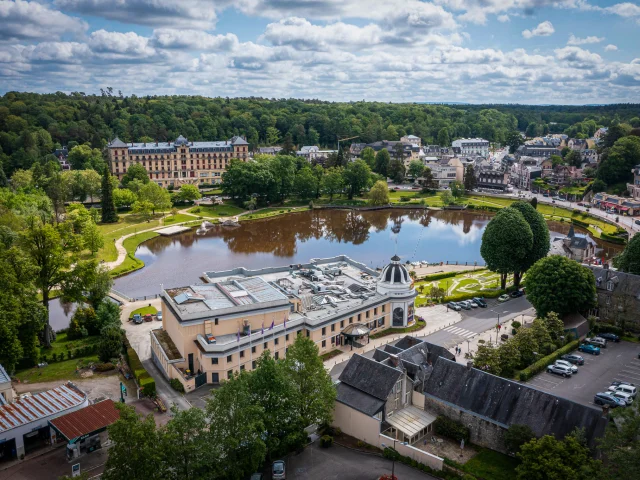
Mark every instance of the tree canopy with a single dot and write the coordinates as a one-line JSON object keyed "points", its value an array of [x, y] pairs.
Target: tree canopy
{"points": [[629, 260]]}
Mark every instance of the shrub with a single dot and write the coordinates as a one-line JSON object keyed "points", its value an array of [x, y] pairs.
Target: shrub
{"points": [[542, 364], [604, 328], [516, 436], [196, 210], [148, 385], [104, 367], [516, 324], [452, 429], [177, 385], [326, 441]]}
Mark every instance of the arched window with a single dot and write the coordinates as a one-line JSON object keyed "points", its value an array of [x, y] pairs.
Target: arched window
{"points": [[398, 317]]}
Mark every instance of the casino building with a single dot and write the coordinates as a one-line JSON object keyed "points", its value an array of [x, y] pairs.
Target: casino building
{"points": [[213, 329], [179, 162]]}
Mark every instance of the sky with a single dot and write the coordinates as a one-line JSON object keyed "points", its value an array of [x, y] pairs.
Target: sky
{"points": [[475, 51]]}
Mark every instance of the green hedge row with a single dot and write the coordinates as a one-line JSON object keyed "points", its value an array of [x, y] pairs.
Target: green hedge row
{"points": [[145, 381], [544, 362], [440, 276], [612, 238], [580, 223], [604, 328]]}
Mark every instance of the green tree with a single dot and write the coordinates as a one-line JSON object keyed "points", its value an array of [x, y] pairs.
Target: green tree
{"points": [[506, 243], [487, 358], [573, 158], [356, 177], [429, 182], [558, 284], [446, 197], [397, 170], [157, 196], [383, 160], [305, 183], [368, 154], [109, 214], [21, 180], [283, 168], [516, 436], [513, 140], [123, 197], [272, 136], [186, 446], [144, 208], [83, 157], [288, 148], [4, 183], [314, 387], [189, 193], [110, 344], [549, 459], [333, 181], [93, 183], [457, 189], [622, 157], [621, 444], [534, 202], [92, 238], [135, 172], [415, 168], [629, 260], [443, 138], [554, 326], [541, 239], [237, 432], [107, 313], [470, 180], [134, 453], [379, 193], [58, 189]]}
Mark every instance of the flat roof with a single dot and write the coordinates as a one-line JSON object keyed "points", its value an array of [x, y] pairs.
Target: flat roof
{"points": [[87, 420], [40, 405]]}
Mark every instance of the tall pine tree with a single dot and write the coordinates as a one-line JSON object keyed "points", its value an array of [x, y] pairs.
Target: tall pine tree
{"points": [[109, 214]]}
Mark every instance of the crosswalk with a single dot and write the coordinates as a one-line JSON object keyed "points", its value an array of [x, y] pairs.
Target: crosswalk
{"points": [[462, 332]]}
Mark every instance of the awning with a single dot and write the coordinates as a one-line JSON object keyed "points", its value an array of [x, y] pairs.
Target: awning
{"points": [[410, 420], [81, 423], [356, 330]]}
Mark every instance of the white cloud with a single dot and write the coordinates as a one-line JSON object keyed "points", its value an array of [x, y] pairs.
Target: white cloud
{"points": [[504, 18], [626, 9], [193, 40], [573, 40], [578, 57], [192, 13], [544, 29], [33, 21], [610, 48]]}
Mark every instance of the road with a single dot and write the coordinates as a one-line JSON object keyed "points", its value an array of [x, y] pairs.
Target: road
{"points": [[473, 322]]}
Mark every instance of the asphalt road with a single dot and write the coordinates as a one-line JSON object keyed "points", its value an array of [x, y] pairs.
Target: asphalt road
{"points": [[619, 361], [473, 322]]}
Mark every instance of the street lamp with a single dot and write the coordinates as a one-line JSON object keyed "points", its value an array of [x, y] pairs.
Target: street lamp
{"points": [[393, 459]]}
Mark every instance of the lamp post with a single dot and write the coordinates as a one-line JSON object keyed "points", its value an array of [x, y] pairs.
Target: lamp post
{"points": [[393, 459]]}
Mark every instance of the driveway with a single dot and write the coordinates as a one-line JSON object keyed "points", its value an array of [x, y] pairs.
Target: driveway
{"points": [[619, 361], [316, 463]]}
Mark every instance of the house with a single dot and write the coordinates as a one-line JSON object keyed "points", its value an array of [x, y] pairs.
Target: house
{"points": [[269, 150], [445, 171], [601, 132], [577, 144], [62, 154], [542, 151], [492, 179], [411, 140], [309, 152], [618, 296], [488, 405], [634, 188], [524, 171], [355, 150], [410, 152], [6, 390], [576, 246], [472, 146], [614, 203], [589, 157]]}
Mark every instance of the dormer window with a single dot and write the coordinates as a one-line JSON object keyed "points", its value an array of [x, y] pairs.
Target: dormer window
{"points": [[610, 286]]}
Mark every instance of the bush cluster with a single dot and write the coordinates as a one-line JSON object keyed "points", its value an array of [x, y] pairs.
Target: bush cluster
{"points": [[104, 367], [451, 429], [71, 353], [544, 362], [145, 381], [604, 328], [326, 441], [177, 385]]}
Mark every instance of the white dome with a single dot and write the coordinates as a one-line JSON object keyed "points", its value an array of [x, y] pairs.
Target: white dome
{"points": [[395, 273]]}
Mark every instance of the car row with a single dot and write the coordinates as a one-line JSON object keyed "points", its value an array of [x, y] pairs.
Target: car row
{"points": [[467, 304], [138, 318], [619, 394]]}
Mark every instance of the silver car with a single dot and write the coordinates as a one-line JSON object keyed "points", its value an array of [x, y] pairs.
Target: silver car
{"points": [[569, 365], [559, 370]]}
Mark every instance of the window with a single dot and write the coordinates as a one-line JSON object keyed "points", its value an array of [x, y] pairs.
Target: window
{"points": [[324, 331], [214, 361], [299, 332], [367, 314], [229, 358], [608, 300], [216, 321], [266, 345], [341, 323], [230, 374], [375, 311], [241, 353], [381, 322], [275, 341], [286, 337], [333, 327], [308, 333], [350, 319], [277, 355], [382, 308], [242, 368], [333, 340], [253, 349], [324, 343], [610, 286], [359, 316]]}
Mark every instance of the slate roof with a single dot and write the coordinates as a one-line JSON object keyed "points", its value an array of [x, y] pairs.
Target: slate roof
{"points": [[117, 143], [358, 400], [505, 402]]}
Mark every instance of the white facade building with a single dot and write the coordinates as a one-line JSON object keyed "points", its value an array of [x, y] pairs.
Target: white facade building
{"points": [[472, 146]]}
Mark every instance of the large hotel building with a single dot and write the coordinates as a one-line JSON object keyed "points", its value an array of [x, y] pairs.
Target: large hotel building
{"points": [[175, 163], [222, 326]]}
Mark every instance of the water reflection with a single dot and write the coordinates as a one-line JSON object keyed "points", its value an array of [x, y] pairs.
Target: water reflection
{"points": [[370, 237]]}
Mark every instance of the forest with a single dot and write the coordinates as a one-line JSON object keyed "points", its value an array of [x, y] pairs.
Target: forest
{"points": [[33, 125]]}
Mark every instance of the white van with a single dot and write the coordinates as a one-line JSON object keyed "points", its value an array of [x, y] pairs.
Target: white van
{"points": [[629, 389]]}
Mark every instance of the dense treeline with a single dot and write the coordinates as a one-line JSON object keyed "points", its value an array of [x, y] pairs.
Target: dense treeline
{"points": [[32, 125]]}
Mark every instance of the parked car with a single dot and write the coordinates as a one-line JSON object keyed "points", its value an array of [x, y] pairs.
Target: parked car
{"points": [[612, 337], [480, 302], [573, 358], [569, 365], [620, 382], [137, 319], [517, 293], [559, 370], [503, 298], [637, 222], [586, 348], [606, 398], [597, 341], [464, 304], [624, 389], [472, 304], [628, 399], [580, 204], [278, 470], [159, 316], [545, 194], [148, 317], [454, 306]]}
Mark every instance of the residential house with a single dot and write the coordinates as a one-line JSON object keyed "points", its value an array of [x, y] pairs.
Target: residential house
{"points": [[472, 146], [411, 140], [438, 151], [409, 152], [614, 203], [541, 151], [488, 178], [309, 152], [577, 144], [62, 154], [562, 175], [618, 296], [601, 132], [445, 171], [269, 150], [355, 150], [589, 157], [524, 171], [634, 188], [576, 246]]}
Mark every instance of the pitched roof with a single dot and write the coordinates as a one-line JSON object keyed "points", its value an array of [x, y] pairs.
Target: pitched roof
{"points": [[4, 377], [370, 377], [358, 400], [237, 140], [505, 402], [117, 143], [86, 420]]}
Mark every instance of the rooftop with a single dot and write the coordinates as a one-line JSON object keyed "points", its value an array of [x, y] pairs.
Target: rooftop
{"points": [[4, 376], [164, 339], [40, 405], [180, 141], [90, 419]]}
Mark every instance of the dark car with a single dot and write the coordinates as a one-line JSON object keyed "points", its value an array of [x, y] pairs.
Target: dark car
{"points": [[480, 302], [545, 194], [517, 293], [610, 336], [137, 319], [573, 358], [606, 398], [637, 222]]}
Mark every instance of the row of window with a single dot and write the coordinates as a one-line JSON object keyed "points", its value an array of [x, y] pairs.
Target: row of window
{"points": [[230, 358]]}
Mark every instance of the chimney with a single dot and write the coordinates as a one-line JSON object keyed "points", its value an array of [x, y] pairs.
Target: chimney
{"points": [[469, 365]]}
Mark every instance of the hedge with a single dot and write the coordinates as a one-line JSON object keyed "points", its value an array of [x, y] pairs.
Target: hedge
{"points": [[148, 385], [450, 428], [612, 238], [604, 328], [542, 364], [145, 381], [177, 385], [440, 276]]}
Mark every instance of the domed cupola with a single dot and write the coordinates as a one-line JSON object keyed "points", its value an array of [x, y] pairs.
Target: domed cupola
{"points": [[395, 273], [181, 141]]}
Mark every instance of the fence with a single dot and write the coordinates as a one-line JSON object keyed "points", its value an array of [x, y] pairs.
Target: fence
{"points": [[134, 299]]}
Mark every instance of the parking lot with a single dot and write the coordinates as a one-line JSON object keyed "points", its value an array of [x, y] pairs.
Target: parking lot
{"points": [[619, 361]]}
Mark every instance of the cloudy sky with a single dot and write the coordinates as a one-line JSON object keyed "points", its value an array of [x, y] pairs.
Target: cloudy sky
{"points": [[478, 51]]}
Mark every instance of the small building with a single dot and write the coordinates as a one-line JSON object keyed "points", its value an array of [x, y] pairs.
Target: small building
{"points": [[472, 146], [616, 204], [618, 296], [539, 151], [489, 178], [411, 140], [84, 429], [6, 390], [634, 188], [576, 246], [269, 150], [24, 424]]}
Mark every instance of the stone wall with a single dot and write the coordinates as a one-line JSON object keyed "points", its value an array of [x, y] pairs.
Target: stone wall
{"points": [[483, 433]]}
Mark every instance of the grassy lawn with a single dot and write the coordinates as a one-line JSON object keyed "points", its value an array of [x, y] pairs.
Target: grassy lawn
{"points": [[179, 218], [143, 311], [213, 211], [64, 370], [491, 465], [131, 263], [271, 212], [62, 344], [126, 224]]}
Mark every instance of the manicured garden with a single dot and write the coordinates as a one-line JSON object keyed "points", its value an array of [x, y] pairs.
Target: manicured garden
{"points": [[144, 311], [215, 211], [178, 218], [461, 285], [418, 325], [130, 262]]}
